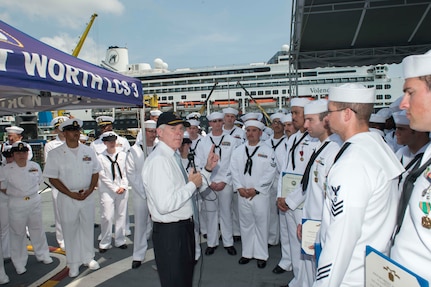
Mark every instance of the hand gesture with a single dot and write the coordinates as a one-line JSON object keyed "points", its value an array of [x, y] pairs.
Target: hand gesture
{"points": [[212, 159]]}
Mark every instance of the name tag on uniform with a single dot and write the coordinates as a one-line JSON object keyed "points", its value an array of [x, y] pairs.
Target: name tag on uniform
{"points": [[290, 181]]}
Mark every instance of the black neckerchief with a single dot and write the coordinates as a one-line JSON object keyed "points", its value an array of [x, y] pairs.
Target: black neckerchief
{"points": [[305, 178], [249, 162], [294, 146], [113, 164], [274, 147], [217, 146]]}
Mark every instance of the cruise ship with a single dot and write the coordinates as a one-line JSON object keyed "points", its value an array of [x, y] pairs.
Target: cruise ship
{"points": [[269, 84]]}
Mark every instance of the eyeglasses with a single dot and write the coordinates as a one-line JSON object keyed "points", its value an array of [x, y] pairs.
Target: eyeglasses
{"points": [[339, 110], [215, 121], [276, 123]]}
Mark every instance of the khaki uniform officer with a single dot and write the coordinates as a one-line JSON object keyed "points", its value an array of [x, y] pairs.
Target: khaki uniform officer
{"points": [[58, 141], [73, 169], [21, 180], [253, 169]]}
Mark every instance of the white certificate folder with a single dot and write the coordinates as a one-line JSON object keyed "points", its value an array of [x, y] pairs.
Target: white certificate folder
{"points": [[310, 228], [380, 270]]}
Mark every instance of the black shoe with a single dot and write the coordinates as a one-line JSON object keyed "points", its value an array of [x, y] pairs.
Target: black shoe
{"points": [[205, 236], [102, 250], [124, 246], [261, 263], [136, 264], [231, 250], [287, 285], [237, 238], [278, 270], [243, 260], [210, 250], [96, 225]]}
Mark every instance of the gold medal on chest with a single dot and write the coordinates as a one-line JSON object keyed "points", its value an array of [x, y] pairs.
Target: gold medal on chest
{"points": [[426, 222]]}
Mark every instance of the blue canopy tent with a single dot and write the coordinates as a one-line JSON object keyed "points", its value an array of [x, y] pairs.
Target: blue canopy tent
{"points": [[37, 77]]}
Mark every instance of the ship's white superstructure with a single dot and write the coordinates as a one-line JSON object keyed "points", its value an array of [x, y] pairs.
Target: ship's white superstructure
{"points": [[269, 83]]}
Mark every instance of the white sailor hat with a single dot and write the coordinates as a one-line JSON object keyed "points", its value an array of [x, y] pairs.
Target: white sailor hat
{"points": [[385, 112], [104, 120], [193, 122], [194, 115], [71, 125], [299, 102], [316, 107], [83, 137], [276, 116], [155, 113], [375, 118], [254, 123], [109, 136], [417, 65], [14, 130], [215, 116], [230, 111], [58, 120], [352, 93], [19, 147], [287, 118], [251, 116], [150, 124], [400, 118]]}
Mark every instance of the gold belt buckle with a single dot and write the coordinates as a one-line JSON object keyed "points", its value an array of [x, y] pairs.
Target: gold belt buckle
{"points": [[27, 198]]}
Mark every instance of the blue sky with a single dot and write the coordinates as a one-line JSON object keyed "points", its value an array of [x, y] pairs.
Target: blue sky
{"points": [[183, 33]]}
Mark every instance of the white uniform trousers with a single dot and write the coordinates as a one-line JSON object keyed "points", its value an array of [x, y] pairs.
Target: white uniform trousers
{"points": [[307, 271], [142, 225], [254, 222], [286, 257], [203, 217], [26, 213], [77, 221], [219, 209], [293, 218], [197, 227], [113, 208], [235, 215], [3, 275], [274, 222], [4, 225], [58, 230]]}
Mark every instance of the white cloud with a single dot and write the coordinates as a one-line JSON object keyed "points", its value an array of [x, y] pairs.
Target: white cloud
{"points": [[65, 13]]}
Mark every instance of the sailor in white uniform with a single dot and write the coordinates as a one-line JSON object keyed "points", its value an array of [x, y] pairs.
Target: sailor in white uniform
{"points": [[310, 191], [14, 134], [361, 190], [134, 164], [114, 193], [155, 114], [4, 213], [218, 197], [257, 117], [278, 143], [289, 128], [229, 126], [253, 170], [59, 140], [73, 169], [20, 180], [412, 244], [414, 144], [300, 147]]}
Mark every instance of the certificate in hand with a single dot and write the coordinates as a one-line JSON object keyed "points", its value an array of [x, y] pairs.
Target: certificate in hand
{"points": [[310, 227], [380, 270], [290, 181]]}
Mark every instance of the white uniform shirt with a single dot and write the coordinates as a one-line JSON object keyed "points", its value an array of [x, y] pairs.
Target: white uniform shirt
{"points": [[21, 181], [236, 132], [74, 170], [412, 247], [313, 195], [360, 209], [279, 146], [263, 169], [52, 145], [227, 144], [168, 194], [301, 154], [121, 144], [134, 165], [106, 183]]}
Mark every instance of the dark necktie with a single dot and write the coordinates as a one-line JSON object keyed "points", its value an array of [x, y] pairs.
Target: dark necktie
{"points": [[305, 178], [294, 146], [408, 186], [217, 146], [113, 164], [249, 162]]}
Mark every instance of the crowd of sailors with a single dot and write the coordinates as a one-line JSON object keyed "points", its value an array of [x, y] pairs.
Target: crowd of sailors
{"points": [[334, 163]]}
